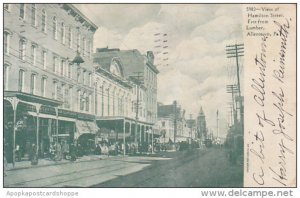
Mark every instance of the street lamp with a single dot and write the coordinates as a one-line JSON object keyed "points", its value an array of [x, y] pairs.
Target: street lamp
{"points": [[78, 59]]}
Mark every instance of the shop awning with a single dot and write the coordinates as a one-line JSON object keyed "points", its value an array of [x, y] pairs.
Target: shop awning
{"points": [[32, 98], [83, 127], [181, 139]]}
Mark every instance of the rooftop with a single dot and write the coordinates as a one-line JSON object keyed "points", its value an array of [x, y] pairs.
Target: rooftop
{"points": [[132, 60]]}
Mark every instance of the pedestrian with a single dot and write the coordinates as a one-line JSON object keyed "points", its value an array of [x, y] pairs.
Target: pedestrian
{"points": [[18, 154], [73, 152], [98, 149], [116, 148], [65, 149], [58, 152], [79, 150], [52, 151], [33, 155], [5, 160], [150, 148], [140, 148]]}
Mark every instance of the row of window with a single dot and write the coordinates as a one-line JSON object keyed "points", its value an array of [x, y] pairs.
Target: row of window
{"points": [[60, 30], [151, 76], [114, 106], [60, 66], [64, 93]]}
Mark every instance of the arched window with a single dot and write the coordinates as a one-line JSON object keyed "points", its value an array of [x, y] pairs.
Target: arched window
{"points": [[43, 86], [88, 102], [79, 100], [89, 48], [62, 33], [108, 101], [54, 64], [44, 59], [84, 101], [78, 41], [62, 67], [32, 84], [22, 48], [55, 94], [21, 80], [22, 11], [33, 14], [70, 70], [44, 21], [6, 76], [83, 47], [54, 27], [70, 37], [6, 38], [33, 54]]}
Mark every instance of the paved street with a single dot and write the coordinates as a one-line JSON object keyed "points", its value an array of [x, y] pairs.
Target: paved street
{"points": [[197, 168]]}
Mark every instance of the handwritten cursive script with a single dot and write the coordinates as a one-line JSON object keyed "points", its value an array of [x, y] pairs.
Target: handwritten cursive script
{"points": [[271, 113]]}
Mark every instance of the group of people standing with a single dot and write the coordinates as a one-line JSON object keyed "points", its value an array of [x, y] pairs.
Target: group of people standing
{"points": [[115, 148], [63, 150]]}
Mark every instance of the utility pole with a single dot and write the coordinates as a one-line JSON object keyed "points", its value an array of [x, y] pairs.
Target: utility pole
{"points": [[217, 123], [236, 51], [233, 89], [175, 120], [137, 79]]}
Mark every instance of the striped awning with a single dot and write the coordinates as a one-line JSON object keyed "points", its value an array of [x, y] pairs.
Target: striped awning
{"points": [[83, 127]]}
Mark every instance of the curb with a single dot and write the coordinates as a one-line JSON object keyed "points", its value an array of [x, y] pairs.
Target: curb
{"points": [[59, 163], [88, 160]]}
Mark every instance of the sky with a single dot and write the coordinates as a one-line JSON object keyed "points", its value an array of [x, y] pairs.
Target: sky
{"points": [[189, 42]]}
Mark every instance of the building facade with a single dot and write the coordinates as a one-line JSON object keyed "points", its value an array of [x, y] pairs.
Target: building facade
{"points": [[46, 96], [172, 124], [140, 74]]}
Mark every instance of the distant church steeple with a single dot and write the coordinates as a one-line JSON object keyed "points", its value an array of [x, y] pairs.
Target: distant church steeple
{"points": [[201, 125]]}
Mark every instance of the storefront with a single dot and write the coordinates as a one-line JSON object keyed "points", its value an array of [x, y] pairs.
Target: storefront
{"points": [[85, 134], [35, 122], [125, 130], [25, 125]]}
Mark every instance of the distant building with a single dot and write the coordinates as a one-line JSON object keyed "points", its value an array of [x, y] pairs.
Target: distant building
{"points": [[201, 125], [192, 127], [172, 123]]}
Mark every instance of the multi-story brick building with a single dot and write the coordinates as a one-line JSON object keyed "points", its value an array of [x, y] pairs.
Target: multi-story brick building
{"points": [[54, 90], [45, 93], [139, 71]]}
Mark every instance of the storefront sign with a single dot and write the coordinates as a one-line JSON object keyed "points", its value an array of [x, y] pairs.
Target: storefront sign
{"points": [[66, 113], [27, 107], [85, 116], [47, 110]]}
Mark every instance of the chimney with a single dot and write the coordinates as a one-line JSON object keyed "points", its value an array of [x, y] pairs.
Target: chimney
{"points": [[150, 57]]}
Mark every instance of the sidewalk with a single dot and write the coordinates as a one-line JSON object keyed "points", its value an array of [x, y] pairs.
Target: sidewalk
{"points": [[48, 162]]}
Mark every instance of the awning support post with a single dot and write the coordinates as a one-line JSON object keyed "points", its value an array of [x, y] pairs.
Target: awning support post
{"points": [[124, 139]]}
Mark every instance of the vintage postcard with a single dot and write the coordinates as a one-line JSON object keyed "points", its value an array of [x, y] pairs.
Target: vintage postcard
{"points": [[149, 95]]}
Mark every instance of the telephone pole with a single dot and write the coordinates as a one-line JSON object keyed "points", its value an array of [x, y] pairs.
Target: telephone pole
{"points": [[233, 89], [175, 120], [217, 123], [236, 51], [138, 81]]}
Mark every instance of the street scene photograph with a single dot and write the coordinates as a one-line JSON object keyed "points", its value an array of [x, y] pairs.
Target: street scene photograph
{"points": [[123, 95]]}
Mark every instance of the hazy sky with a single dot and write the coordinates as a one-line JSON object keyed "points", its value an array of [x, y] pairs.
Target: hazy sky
{"points": [[194, 69]]}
